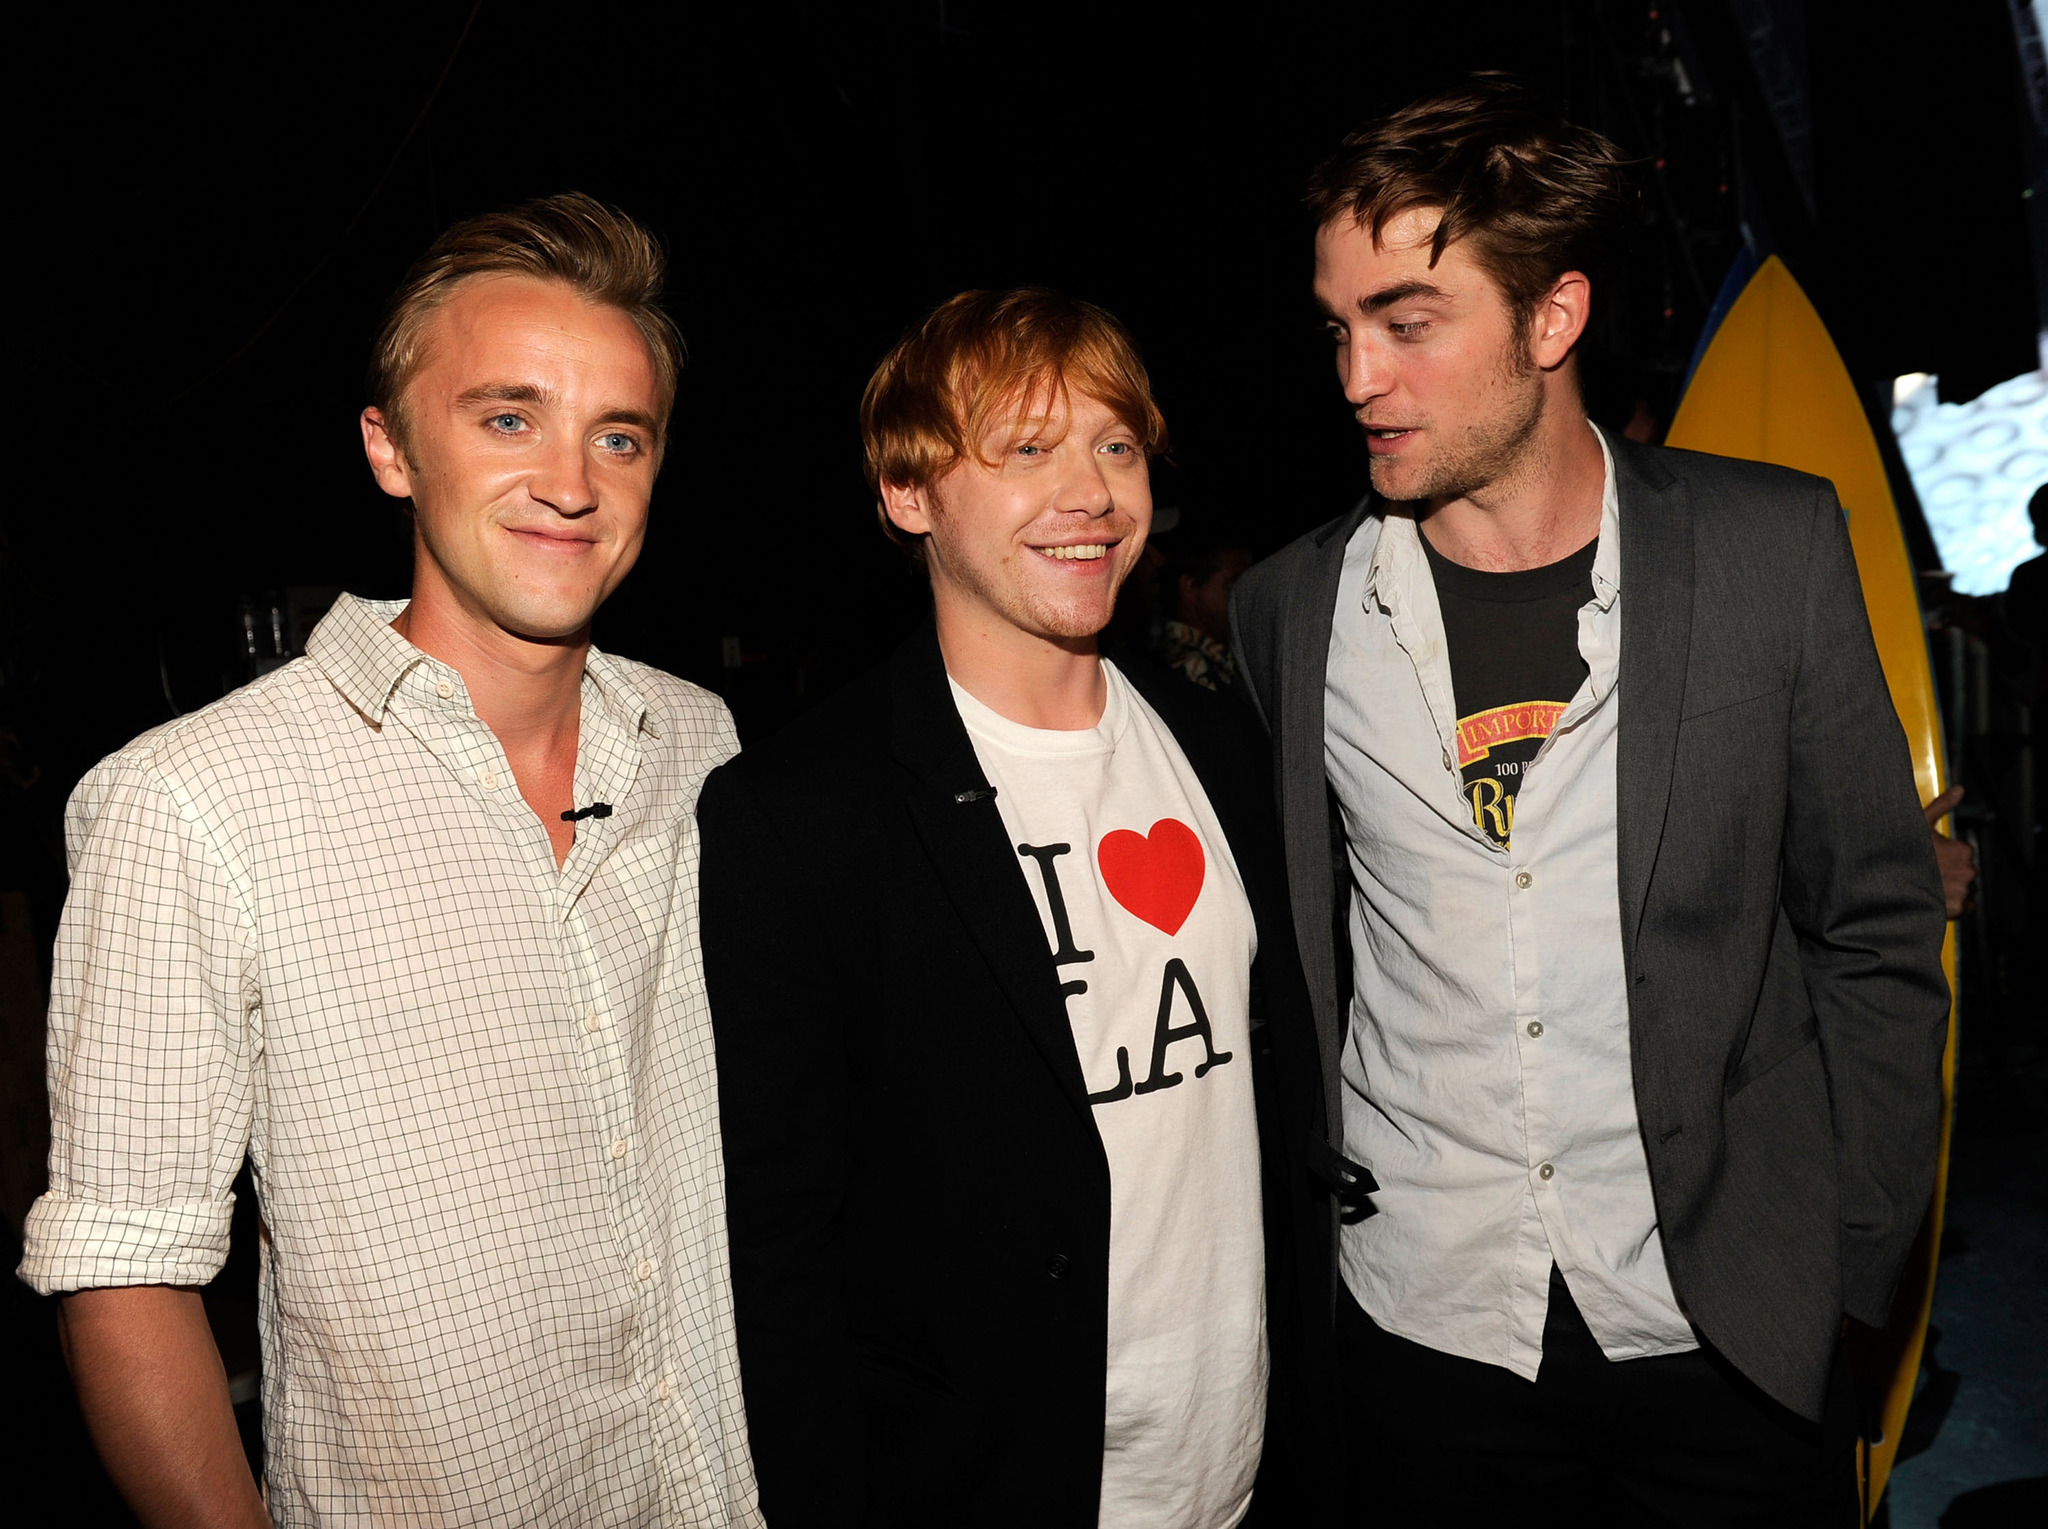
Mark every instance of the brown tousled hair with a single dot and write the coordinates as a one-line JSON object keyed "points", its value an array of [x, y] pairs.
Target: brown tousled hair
{"points": [[931, 400], [597, 251], [1536, 195]]}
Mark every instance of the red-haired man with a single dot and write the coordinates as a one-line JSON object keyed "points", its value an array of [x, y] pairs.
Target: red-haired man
{"points": [[1006, 1003]]}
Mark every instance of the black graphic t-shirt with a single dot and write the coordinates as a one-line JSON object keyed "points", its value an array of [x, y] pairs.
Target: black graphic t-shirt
{"points": [[1515, 666]]}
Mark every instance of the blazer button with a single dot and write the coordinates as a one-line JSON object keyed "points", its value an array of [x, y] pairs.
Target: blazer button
{"points": [[1059, 1266]]}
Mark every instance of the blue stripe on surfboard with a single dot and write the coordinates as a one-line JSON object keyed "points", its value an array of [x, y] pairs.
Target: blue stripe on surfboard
{"points": [[1746, 264]]}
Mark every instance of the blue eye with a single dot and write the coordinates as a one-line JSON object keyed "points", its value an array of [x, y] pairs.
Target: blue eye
{"points": [[507, 424], [617, 440]]}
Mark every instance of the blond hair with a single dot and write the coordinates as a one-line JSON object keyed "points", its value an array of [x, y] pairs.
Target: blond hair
{"points": [[596, 251]]}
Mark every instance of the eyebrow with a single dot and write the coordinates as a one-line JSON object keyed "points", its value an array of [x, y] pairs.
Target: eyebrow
{"points": [[526, 392], [636, 417], [1400, 292], [504, 392]]}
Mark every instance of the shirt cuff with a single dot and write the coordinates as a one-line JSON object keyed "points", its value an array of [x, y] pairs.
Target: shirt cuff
{"points": [[80, 1245]]}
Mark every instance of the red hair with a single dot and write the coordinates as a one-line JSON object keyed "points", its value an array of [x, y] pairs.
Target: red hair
{"points": [[935, 395]]}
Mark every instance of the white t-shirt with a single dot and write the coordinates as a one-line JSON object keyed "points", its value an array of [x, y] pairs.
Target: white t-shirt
{"points": [[1153, 937]]}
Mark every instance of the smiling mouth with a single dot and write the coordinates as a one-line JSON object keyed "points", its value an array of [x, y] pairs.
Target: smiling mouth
{"points": [[1086, 552], [558, 543]]}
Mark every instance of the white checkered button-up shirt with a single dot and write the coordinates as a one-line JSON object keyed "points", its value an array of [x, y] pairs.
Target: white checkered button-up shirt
{"points": [[317, 922]]}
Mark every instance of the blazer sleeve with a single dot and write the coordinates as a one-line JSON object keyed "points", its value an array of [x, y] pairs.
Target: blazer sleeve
{"points": [[777, 1018], [1863, 896]]}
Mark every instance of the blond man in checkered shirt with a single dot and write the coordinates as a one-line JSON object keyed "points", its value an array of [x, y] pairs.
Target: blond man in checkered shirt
{"points": [[411, 924]]}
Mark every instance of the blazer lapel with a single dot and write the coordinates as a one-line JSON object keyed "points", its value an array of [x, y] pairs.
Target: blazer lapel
{"points": [[1305, 798], [1656, 637], [953, 810]]}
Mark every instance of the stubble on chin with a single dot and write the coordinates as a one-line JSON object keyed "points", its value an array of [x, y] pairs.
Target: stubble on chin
{"points": [[1482, 454], [1386, 482], [1067, 620], [1024, 603]]}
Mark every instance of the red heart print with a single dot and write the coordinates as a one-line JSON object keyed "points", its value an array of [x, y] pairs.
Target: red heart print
{"points": [[1156, 876]]}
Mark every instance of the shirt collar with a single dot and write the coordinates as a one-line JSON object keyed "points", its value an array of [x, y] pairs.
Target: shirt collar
{"points": [[355, 646], [365, 659], [1607, 556], [1400, 540], [621, 697]]}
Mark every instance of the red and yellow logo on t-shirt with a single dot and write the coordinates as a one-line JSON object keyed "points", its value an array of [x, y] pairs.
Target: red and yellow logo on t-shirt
{"points": [[1494, 748], [1485, 731]]}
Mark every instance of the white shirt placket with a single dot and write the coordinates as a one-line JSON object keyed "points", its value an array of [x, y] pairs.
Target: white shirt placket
{"points": [[1454, 937], [605, 768]]}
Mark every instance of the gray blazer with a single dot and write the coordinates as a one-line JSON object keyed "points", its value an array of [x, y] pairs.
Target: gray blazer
{"points": [[1781, 913]]}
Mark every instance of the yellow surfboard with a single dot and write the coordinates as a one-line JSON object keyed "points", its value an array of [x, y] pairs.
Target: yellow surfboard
{"points": [[1771, 386]]}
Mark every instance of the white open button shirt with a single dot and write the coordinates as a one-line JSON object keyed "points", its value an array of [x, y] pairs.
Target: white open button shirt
{"points": [[1486, 1072], [316, 921]]}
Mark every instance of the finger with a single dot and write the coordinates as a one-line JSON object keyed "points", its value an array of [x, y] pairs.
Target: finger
{"points": [[1943, 805]]}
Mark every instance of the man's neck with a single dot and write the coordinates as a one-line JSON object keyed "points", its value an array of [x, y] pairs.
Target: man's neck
{"points": [[1545, 508], [1034, 681], [528, 693]]}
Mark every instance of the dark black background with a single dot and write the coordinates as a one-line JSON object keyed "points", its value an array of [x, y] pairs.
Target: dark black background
{"points": [[215, 202], [209, 205]]}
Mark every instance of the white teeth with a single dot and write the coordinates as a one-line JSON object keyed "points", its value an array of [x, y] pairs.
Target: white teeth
{"points": [[1085, 554]]}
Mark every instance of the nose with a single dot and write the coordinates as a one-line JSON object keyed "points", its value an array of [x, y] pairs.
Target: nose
{"points": [[1084, 488], [1367, 376], [563, 482]]}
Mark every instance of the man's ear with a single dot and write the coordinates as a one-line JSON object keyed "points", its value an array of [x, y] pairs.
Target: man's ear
{"points": [[1560, 320], [908, 506], [387, 462]]}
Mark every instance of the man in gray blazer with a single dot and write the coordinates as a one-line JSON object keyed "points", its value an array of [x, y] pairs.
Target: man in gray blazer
{"points": [[1584, 751]]}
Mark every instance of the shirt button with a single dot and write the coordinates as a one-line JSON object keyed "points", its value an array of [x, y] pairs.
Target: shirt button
{"points": [[593, 1021], [1546, 1171], [488, 779], [1523, 878], [645, 1269], [618, 1147], [1059, 1266], [1535, 1028], [661, 1391], [1447, 759], [444, 690]]}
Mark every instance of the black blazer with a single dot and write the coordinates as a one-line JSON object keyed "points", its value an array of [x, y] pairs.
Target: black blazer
{"points": [[917, 1195], [1780, 910]]}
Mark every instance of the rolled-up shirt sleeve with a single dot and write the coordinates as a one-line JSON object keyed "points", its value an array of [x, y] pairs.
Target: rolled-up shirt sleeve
{"points": [[154, 1027]]}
